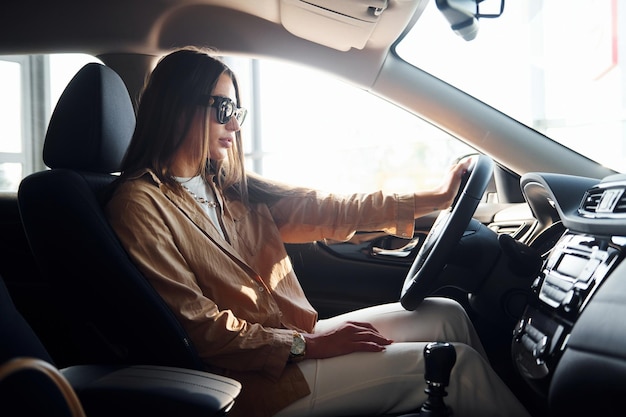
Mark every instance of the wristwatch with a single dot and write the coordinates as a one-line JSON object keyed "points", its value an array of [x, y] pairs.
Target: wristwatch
{"points": [[298, 347]]}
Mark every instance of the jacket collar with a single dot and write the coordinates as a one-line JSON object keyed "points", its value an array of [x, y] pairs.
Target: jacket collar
{"points": [[230, 210], [189, 207]]}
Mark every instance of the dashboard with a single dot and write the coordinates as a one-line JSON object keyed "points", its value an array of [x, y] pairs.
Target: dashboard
{"points": [[570, 343]]}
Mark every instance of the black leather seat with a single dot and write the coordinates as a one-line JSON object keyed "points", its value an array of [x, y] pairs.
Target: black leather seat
{"points": [[17, 339], [103, 390], [117, 316]]}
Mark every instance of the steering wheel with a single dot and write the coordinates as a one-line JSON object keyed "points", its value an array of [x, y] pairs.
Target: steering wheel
{"points": [[446, 233]]}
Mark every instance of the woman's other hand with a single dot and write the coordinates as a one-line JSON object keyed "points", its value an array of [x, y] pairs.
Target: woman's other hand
{"points": [[348, 338]]}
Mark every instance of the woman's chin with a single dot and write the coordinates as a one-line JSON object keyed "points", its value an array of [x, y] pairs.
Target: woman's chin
{"points": [[220, 155]]}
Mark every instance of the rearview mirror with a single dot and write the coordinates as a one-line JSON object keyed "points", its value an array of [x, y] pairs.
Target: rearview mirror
{"points": [[463, 15]]}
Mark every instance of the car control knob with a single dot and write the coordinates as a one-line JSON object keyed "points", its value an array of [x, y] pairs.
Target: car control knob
{"points": [[439, 358]]}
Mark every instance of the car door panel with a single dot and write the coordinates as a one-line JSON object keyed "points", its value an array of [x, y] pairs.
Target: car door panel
{"points": [[370, 268]]}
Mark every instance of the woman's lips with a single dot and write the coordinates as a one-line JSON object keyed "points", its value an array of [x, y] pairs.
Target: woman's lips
{"points": [[226, 142]]}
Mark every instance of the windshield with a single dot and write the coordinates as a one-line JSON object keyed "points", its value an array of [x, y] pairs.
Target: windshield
{"points": [[552, 65]]}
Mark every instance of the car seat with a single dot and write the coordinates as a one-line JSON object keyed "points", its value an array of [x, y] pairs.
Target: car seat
{"points": [[17, 339], [98, 390], [117, 315]]}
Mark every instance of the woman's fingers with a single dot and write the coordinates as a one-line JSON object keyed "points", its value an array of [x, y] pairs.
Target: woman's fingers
{"points": [[347, 338], [367, 333]]}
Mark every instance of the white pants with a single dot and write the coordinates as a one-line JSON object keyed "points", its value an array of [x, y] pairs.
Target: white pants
{"points": [[367, 383]]}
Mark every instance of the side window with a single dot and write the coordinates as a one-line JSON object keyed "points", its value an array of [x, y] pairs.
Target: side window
{"points": [[304, 127], [31, 86], [307, 128], [14, 130]]}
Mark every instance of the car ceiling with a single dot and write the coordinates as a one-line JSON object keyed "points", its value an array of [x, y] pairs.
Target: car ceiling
{"points": [[309, 29]]}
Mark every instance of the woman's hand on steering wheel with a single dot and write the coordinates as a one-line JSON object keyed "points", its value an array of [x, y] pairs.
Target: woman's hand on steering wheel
{"points": [[451, 184], [448, 227], [442, 196]]}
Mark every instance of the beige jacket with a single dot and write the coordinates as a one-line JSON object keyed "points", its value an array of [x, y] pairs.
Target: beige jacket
{"points": [[238, 297]]}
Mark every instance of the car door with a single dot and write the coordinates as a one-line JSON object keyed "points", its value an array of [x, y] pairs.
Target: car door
{"points": [[371, 268]]}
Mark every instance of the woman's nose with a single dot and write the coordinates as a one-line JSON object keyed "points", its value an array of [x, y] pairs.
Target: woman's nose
{"points": [[233, 125]]}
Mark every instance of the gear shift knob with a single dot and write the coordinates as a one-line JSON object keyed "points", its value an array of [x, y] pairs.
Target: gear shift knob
{"points": [[439, 359]]}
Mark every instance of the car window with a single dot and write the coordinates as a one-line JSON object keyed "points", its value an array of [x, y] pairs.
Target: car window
{"points": [[321, 133], [308, 128], [552, 65], [31, 85], [10, 124]]}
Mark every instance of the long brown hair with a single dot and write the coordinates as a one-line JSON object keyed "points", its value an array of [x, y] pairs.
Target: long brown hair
{"points": [[166, 110]]}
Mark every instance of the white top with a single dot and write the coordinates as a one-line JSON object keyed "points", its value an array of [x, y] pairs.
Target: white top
{"points": [[204, 196]]}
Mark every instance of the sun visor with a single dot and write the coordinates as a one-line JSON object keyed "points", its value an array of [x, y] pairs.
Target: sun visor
{"points": [[337, 24]]}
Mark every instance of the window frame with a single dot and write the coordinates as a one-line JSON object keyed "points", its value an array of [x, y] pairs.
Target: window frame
{"points": [[35, 111]]}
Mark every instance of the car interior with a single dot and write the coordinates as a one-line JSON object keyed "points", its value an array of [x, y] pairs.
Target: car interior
{"points": [[532, 247]]}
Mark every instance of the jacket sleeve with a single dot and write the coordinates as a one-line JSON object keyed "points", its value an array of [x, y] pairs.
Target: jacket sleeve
{"points": [[221, 339], [316, 216]]}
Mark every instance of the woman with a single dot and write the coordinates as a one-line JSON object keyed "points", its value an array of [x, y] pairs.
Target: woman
{"points": [[211, 242]]}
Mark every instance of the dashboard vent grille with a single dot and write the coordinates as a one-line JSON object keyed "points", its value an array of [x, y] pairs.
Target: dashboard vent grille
{"points": [[620, 207], [599, 202], [592, 200]]}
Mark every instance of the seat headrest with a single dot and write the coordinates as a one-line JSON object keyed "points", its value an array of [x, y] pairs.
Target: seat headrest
{"points": [[92, 123]]}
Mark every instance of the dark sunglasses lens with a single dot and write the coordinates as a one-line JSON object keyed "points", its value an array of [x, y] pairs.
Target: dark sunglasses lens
{"points": [[225, 111]]}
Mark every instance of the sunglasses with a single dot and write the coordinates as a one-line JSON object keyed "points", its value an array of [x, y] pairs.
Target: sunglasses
{"points": [[226, 109]]}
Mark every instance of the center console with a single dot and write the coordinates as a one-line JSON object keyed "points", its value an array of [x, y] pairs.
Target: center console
{"points": [[574, 270]]}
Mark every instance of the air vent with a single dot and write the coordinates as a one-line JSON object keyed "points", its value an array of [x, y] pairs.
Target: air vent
{"points": [[599, 202], [592, 200], [620, 207]]}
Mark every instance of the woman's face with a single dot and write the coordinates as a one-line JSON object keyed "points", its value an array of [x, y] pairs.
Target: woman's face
{"points": [[222, 136]]}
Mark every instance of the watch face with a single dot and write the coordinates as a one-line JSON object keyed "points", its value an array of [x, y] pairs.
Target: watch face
{"points": [[298, 346]]}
